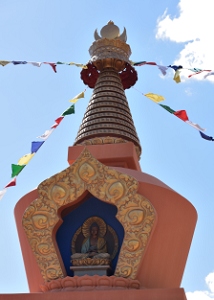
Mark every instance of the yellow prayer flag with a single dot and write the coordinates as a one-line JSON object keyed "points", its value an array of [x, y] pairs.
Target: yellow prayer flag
{"points": [[77, 97], [154, 97], [24, 160], [4, 62], [177, 77], [78, 65]]}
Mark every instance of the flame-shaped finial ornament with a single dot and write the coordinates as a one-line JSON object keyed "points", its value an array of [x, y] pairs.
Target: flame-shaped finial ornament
{"points": [[111, 31]]}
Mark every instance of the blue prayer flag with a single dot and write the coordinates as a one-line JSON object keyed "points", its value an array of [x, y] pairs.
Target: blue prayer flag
{"points": [[35, 146], [206, 137]]}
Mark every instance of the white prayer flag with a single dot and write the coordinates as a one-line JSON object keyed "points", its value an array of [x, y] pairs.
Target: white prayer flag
{"points": [[2, 193], [196, 126], [46, 135]]}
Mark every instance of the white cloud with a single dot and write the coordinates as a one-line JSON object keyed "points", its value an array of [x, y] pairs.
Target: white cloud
{"points": [[194, 28], [210, 281], [203, 295], [198, 295]]}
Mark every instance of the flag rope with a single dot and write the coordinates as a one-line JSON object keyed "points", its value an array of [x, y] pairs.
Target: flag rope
{"points": [[35, 145]]}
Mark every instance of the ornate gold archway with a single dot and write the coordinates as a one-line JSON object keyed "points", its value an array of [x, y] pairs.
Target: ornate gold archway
{"points": [[135, 213]]}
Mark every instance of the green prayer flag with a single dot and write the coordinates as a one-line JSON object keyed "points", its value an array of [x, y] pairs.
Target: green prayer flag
{"points": [[16, 169], [168, 108], [69, 111]]}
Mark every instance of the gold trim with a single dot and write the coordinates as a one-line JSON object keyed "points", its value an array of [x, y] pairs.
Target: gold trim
{"points": [[107, 140], [134, 212], [105, 49], [90, 262]]}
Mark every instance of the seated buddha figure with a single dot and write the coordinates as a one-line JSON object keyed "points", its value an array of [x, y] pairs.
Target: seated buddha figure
{"points": [[93, 246]]}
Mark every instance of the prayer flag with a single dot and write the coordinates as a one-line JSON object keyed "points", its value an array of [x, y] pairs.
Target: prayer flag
{"points": [[151, 63], [69, 111], [154, 97], [77, 97], [24, 160], [140, 63], [209, 74], [206, 137], [55, 125], [174, 67], [11, 183], [2, 193], [53, 65], [57, 122], [177, 78], [196, 126], [181, 114], [16, 169], [45, 135], [4, 62], [195, 70], [162, 69], [78, 65], [19, 62], [200, 71], [168, 108], [36, 64], [35, 146]]}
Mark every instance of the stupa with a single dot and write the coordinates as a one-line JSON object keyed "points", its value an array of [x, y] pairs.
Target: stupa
{"points": [[103, 229]]}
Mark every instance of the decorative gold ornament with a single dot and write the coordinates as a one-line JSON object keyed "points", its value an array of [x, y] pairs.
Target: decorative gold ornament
{"points": [[116, 49], [107, 140], [110, 31], [87, 224], [110, 49], [91, 261], [134, 212], [85, 230]]}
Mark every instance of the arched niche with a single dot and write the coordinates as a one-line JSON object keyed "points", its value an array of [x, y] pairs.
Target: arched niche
{"points": [[68, 188], [74, 217]]}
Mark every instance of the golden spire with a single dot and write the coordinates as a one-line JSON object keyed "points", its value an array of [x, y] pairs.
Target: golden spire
{"points": [[108, 118]]}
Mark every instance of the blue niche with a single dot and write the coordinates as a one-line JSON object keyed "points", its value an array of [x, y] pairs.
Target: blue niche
{"points": [[72, 220]]}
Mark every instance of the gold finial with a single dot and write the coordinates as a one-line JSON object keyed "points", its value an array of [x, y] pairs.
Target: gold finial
{"points": [[110, 31]]}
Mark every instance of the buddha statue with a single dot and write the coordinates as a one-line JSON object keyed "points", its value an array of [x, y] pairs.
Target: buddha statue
{"points": [[93, 246]]}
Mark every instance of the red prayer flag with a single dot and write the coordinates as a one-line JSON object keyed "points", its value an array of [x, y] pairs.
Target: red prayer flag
{"points": [[58, 120], [11, 183], [53, 65], [199, 72], [151, 63], [182, 115]]}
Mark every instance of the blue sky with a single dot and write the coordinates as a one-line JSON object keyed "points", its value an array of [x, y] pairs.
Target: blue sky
{"points": [[165, 32]]}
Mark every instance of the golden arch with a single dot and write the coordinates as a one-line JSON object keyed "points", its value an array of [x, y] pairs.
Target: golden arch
{"points": [[135, 213]]}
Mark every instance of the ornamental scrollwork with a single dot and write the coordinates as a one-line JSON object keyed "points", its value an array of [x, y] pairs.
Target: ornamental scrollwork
{"points": [[134, 212]]}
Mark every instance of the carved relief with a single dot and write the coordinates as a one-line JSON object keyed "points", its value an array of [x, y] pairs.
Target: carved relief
{"points": [[107, 140], [93, 282], [135, 213]]}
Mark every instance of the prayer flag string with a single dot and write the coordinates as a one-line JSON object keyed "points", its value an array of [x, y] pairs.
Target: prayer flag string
{"points": [[53, 65], [177, 69], [162, 68], [35, 145], [181, 114]]}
